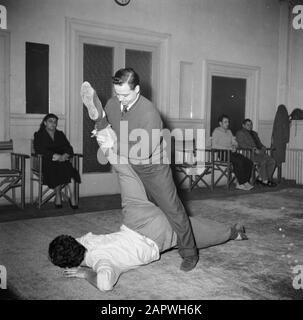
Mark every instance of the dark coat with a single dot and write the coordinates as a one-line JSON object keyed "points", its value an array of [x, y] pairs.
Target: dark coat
{"points": [[54, 173], [280, 134], [245, 140]]}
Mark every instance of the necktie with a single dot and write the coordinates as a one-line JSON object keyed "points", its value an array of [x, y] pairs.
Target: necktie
{"points": [[124, 110]]}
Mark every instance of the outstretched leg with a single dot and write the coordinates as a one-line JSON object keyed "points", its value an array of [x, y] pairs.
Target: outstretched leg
{"points": [[209, 233]]}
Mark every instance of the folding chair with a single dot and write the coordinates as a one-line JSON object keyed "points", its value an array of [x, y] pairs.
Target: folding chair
{"points": [[15, 176], [256, 166], [45, 193], [222, 163], [194, 164]]}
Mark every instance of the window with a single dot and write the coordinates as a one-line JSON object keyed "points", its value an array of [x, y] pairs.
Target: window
{"points": [[37, 78]]}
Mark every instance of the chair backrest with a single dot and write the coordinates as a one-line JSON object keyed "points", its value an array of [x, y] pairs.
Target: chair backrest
{"points": [[221, 156], [6, 146], [35, 159]]}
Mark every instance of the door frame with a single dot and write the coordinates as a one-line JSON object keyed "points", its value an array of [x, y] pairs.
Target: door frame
{"points": [[232, 70], [78, 30], [5, 35]]}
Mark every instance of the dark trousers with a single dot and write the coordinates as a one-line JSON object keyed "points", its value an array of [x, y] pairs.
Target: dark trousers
{"points": [[242, 167], [159, 184]]}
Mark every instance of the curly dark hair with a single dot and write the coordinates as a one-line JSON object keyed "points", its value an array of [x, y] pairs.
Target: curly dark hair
{"points": [[66, 252]]}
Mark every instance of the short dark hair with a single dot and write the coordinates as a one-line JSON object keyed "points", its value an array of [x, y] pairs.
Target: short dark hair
{"points": [[48, 116], [222, 116], [66, 252], [126, 75], [246, 120]]}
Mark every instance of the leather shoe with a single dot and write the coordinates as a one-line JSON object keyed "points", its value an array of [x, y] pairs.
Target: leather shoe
{"points": [[261, 183], [72, 206], [189, 263], [271, 184], [58, 206]]}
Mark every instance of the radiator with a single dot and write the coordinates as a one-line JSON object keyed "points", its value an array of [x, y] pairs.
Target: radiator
{"points": [[293, 166]]}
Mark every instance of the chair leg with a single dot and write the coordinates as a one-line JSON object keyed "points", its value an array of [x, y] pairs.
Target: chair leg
{"points": [[40, 192], [76, 184], [76, 192], [190, 183], [23, 184], [212, 187], [228, 179], [279, 173], [31, 184], [14, 194], [31, 191]]}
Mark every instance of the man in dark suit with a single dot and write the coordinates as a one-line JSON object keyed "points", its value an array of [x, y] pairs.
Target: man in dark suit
{"points": [[247, 138]]}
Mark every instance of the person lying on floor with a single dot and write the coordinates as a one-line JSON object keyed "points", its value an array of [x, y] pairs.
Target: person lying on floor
{"points": [[144, 234]]}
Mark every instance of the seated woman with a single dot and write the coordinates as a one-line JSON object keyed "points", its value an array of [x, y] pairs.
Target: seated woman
{"points": [[56, 167], [222, 138]]}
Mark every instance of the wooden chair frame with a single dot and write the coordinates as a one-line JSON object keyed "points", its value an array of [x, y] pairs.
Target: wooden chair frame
{"points": [[15, 176], [191, 165]]}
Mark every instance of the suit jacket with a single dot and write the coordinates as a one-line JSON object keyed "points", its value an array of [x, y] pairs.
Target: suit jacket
{"points": [[245, 140]]}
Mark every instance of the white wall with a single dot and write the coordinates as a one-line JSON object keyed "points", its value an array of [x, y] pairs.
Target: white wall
{"points": [[296, 62], [237, 31]]}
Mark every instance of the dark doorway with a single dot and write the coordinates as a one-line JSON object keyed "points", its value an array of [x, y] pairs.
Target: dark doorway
{"points": [[228, 97], [141, 62], [97, 70], [37, 77]]}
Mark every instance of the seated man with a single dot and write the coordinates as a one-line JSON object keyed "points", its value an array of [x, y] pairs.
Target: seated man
{"points": [[222, 138], [144, 234], [248, 138]]}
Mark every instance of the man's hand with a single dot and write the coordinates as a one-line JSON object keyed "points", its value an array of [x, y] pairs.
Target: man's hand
{"points": [[61, 158], [82, 273], [56, 157], [106, 138], [233, 148], [79, 272], [64, 157]]}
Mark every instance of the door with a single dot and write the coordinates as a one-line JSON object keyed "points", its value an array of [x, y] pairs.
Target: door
{"points": [[228, 96], [4, 82]]}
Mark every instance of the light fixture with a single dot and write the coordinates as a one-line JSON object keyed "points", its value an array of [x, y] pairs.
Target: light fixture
{"points": [[122, 2]]}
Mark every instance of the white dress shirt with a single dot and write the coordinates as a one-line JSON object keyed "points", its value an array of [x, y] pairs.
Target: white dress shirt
{"points": [[109, 255]]}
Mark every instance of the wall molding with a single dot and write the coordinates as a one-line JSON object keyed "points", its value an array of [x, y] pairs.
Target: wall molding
{"points": [[21, 119], [185, 123], [6, 38]]}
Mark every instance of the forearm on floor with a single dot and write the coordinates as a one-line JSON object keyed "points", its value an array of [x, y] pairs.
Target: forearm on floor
{"points": [[103, 280], [91, 277]]}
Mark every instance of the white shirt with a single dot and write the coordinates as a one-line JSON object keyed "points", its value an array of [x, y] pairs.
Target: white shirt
{"points": [[223, 139], [111, 254], [130, 105]]}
